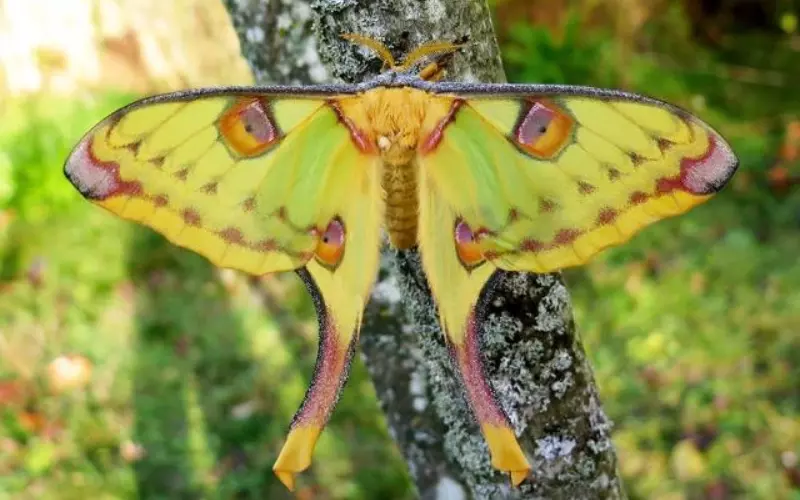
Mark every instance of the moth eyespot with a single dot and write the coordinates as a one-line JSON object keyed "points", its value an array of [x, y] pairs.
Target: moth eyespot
{"points": [[468, 245], [247, 127], [330, 247], [543, 130]]}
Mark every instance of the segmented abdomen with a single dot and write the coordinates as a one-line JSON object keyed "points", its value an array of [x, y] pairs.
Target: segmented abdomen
{"points": [[400, 195]]}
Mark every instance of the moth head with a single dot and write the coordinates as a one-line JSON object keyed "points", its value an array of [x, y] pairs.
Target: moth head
{"points": [[395, 118]]}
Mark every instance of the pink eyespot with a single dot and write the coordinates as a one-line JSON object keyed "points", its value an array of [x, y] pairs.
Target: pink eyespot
{"points": [[468, 246], [247, 127], [330, 247], [544, 129]]}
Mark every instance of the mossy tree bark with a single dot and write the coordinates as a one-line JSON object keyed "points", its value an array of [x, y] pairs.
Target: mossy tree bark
{"points": [[533, 355]]}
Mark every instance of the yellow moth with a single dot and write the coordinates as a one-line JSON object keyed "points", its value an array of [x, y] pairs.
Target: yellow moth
{"points": [[479, 177]]}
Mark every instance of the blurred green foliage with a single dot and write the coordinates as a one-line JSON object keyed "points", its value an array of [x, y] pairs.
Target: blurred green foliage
{"points": [[578, 57], [692, 327]]}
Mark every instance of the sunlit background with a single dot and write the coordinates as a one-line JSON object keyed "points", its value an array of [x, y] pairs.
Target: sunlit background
{"points": [[130, 368]]}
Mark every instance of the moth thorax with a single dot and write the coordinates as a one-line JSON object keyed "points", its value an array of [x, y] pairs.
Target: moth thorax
{"points": [[399, 184]]}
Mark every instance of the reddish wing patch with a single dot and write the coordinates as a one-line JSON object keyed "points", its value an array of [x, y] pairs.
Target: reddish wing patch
{"points": [[703, 175], [94, 179], [191, 217], [232, 235], [543, 129], [358, 136], [562, 238], [607, 216], [470, 359], [566, 236], [638, 197], [247, 127], [708, 173], [160, 200], [533, 246], [328, 375], [431, 142], [266, 246], [666, 185]]}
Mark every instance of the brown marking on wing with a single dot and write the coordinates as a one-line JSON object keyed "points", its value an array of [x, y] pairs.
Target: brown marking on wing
{"points": [[606, 216], [585, 188], [232, 235], [191, 217]]}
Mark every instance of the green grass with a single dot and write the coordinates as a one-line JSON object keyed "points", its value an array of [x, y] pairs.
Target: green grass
{"points": [[692, 328]]}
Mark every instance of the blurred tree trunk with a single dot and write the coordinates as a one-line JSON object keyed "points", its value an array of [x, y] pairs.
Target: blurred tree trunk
{"points": [[533, 355]]}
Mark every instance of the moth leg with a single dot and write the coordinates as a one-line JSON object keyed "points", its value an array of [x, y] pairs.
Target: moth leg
{"points": [[505, 451], [334, 355]]}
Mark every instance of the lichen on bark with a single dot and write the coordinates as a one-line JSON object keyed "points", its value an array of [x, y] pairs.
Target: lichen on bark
{"points": [[533, 355]]}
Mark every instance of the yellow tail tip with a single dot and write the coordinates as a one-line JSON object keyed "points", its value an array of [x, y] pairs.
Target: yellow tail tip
{"points": [[295, 456], [517, 476], [287, 478], [507, 456]]}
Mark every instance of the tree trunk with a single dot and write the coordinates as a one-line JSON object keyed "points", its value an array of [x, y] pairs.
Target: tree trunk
{"points": [[533, 355]]}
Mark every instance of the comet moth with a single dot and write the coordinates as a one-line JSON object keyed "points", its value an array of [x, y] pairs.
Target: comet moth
{"points": [[479, 177]]}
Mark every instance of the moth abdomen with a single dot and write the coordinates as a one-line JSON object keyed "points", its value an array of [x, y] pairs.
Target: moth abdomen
{"points": [[399, 182]]}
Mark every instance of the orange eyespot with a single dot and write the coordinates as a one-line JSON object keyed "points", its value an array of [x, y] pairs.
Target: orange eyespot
{"points": [[247, 127], [331, 244], [543, 130], [468, 247]]}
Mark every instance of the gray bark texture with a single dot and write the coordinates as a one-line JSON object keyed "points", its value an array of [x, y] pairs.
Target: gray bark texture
{"points": [[533, 356]]}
